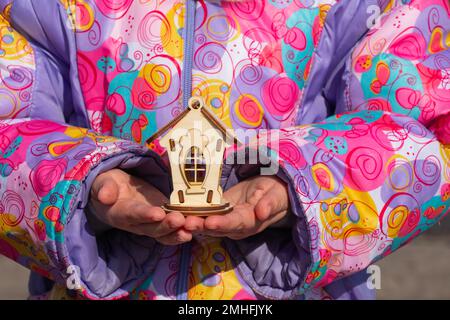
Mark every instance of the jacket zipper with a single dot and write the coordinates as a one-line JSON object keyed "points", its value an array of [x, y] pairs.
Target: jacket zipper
{"points": [[188, 36], [189, 30]]}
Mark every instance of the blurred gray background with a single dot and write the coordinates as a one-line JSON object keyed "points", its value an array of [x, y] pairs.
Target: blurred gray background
{"points": [[420, 270]]}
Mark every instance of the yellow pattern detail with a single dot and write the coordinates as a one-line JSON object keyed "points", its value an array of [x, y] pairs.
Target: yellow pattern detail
{"points": [[213, 276]]}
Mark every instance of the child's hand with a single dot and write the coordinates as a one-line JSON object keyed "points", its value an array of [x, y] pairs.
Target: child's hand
{"points": [[129, 203], [258, 203]]}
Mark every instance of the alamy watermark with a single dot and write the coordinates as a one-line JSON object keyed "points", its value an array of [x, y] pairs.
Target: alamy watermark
{"points": [[253, 147], [373, 20], [73, 281], [374, 279]]}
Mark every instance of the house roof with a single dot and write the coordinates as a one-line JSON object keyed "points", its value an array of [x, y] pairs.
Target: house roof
{"points": [[195, 103]]}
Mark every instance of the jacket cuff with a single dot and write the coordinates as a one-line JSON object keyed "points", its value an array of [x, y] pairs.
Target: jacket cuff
{"points": [[273, 263], [111, 264]]}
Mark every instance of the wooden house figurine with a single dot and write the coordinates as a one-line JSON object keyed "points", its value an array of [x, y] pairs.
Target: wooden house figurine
{"points": [[195, 142]]}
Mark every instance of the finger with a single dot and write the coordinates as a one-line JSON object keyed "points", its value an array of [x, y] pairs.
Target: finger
{"points": [[105, 190], [257, 195], [125, 212], [236, 220], [236, 193], [246, 232], [271, 203], [125, 215], [194, 224], [175, 238], [262, 225], [172, 222], [140, 213], [175, 220]]}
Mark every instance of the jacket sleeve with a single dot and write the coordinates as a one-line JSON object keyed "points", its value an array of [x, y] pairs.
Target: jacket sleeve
{"points": [[48, 163], [371, 178], [366, 183]]}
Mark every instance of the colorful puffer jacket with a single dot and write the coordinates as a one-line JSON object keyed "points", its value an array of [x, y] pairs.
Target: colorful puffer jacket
{"points": [[358, 92]]}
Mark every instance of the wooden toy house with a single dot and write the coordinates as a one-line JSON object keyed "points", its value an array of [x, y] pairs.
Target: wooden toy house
{"points": [[195, 142]]}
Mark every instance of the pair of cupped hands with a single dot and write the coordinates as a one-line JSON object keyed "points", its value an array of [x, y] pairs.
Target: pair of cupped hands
{"points": [[129, 203]]}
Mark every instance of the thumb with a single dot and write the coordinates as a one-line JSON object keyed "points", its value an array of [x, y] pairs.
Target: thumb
{"points": [[105, 190], [274, 201]]}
